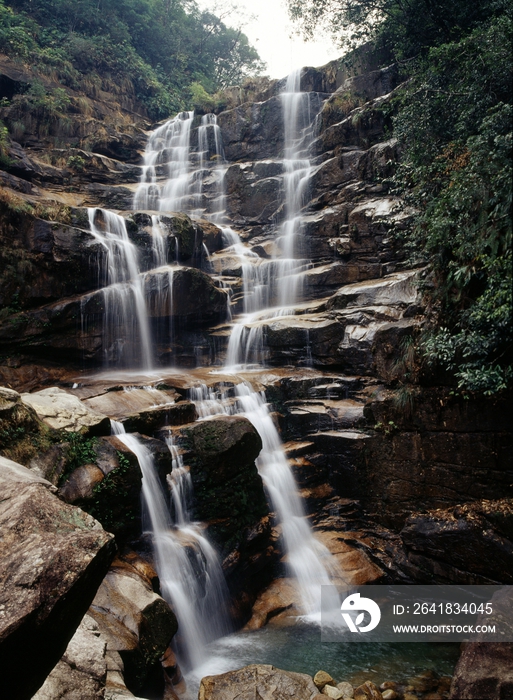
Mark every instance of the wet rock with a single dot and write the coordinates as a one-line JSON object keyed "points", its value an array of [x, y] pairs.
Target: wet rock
{"points": [[143, 410], [212, 236], [280, 597], [116, 496], [367, 691], [252, 131], [322, 678], [61, 410], [184, 292], [228, 490], [396, 289], [254, 194], [346, 689], [54, 557], [136, 622], [81, 483], [183, 237], [355, 568], [257, 680]]}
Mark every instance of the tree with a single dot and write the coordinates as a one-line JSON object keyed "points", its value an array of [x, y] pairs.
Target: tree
{"points": [[406, 26]]}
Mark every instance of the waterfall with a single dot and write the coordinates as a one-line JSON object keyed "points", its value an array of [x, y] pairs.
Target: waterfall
{"points": [[167, 153], [272, 287], [308, 561], [189, 569], [176, 178], [126, 331]]}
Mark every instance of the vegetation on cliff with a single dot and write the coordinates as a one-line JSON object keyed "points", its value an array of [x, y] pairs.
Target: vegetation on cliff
{"points": [[453, 121], [161, 52]]}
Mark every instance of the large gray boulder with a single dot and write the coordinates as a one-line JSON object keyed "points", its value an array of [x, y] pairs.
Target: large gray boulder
{"points": [[59, 409], [53, 557], [258, 681]]}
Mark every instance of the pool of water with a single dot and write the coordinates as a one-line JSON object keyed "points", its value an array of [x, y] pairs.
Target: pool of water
{"points": [[299, 648]]}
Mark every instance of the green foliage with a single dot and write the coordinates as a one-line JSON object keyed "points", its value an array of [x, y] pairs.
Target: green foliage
{"points": [[5, 161], [76, 163], [152, 50], [81, 451], [405, 27], [455, 121], [116, 498]]}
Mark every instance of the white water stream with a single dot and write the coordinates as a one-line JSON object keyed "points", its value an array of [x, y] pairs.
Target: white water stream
{"points": [[178, 178], [125, 315], [188, 566]]}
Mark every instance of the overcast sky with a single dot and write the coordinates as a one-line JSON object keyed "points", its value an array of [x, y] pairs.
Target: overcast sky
{"points": [[269, 32]]}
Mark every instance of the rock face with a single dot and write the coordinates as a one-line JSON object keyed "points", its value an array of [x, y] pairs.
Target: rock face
{"points": [[485, 669], [136, 622], [54, 557], [258, 680], [468, 543], [82, 671], [435, 452]]}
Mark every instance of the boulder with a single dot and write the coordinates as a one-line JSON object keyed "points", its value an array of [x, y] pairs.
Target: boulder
{"points": [[367, 691], [331, 692], [82, 671], [258, 680], [80, 485], [22, 434], [346, 689], [136, 622], [61, 410], [485, 669], [228, 490], [322, 678], [280, 597], [53, 558], [51, 463]]}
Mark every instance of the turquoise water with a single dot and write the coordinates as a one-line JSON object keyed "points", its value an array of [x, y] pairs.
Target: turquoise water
{"points": [[298, 648]]}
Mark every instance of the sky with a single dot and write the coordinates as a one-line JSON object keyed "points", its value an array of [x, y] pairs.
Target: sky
{"points": [[270, 30]]}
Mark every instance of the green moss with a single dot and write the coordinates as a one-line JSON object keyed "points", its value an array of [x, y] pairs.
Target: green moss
{"points": [[116, 499]]}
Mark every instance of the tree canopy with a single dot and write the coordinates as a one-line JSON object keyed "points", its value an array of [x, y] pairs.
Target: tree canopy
{"points": [[161, 46]]}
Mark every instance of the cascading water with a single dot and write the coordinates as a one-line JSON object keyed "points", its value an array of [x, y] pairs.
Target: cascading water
{"points": [[127, 339], [189, 570], [272, 287], [167, 154], [308, 561]]}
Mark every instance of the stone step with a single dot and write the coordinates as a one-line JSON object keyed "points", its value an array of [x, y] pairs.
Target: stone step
{"points": [[294, 449], [302, 418]]}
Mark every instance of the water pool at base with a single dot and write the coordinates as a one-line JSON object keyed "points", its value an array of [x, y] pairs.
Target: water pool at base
{"points": [[299, 648]]}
